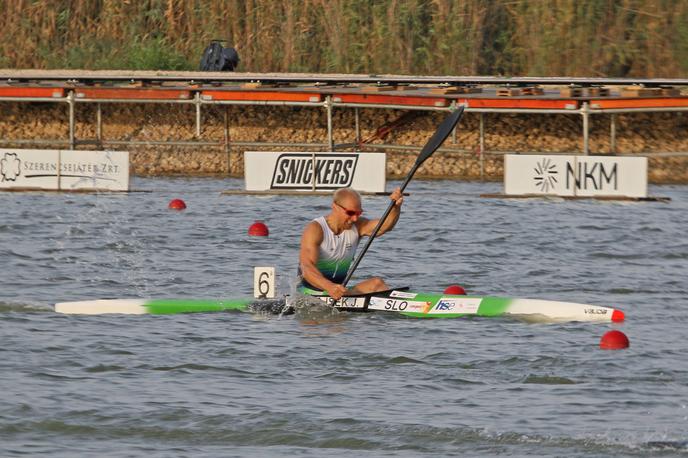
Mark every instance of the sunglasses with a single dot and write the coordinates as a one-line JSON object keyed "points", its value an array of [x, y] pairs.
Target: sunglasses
{"points": [[348, 212]]}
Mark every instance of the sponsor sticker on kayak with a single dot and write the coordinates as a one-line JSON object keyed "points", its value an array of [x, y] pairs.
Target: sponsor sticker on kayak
{"points": [[596, 311], [457, 305], [403, 294], [396, 305], [346, 302]]}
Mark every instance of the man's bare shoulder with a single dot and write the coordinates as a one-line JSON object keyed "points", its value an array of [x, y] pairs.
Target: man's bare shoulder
{"points": [[313, 230]]}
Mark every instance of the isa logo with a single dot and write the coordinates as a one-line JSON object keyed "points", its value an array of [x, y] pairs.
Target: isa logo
{"points": [[466, 305], [445, 306]]}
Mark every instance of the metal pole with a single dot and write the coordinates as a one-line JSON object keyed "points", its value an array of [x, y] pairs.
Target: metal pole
{"points": [[612, 141], [482, 146], [328, 107], [99, 125], [227, 148], [70, 101], [453, 107], [197, 102], [313, 175], [59, 169], [357, 126], [585, 111]]}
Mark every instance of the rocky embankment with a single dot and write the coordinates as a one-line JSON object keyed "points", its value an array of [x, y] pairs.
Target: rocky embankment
{"points": [[645, 134]]}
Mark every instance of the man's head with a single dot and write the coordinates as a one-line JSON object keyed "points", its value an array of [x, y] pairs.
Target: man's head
{"points": [[346, 206]]}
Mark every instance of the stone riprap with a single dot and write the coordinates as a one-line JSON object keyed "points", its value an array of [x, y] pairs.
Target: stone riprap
{"points": [[640, 133]]}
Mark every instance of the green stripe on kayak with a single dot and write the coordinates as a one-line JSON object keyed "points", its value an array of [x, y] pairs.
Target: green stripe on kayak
{"points": [[493, 306], [169, 306]]}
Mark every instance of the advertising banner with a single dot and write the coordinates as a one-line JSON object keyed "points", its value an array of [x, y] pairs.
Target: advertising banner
{"points": [[299, 171], [64, 169], [568, 175]]}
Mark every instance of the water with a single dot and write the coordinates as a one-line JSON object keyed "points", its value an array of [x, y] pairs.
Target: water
{"points": [[328, 384]]}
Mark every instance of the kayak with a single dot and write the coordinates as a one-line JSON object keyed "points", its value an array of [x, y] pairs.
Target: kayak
{"points": [[397, 301]]}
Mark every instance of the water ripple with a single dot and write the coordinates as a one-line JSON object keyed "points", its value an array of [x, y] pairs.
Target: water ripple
{"points": [[324, 383]]}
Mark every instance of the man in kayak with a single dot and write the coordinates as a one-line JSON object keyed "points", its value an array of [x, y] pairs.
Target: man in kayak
{"points": [[329, 243]]}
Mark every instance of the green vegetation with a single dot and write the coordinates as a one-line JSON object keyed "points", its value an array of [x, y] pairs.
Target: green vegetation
{"points": [[645, 38]]}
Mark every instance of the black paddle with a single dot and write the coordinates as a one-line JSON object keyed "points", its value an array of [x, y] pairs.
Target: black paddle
{"points": [[430, 147]]}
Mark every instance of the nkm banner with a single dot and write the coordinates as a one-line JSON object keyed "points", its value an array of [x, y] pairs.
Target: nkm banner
{"points": [[585, 176], [264, 171], [64, 169]]}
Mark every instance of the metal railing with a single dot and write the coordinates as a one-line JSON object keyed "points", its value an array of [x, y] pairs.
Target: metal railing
{"points": [[328, 105]]}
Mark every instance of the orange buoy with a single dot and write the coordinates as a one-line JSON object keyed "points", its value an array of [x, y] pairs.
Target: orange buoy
{"points": [[258, 229], [456, 290], [176, 204], [614, 340]]}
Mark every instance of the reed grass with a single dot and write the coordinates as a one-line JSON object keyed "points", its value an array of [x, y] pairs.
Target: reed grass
{"points": [[647, 38]]}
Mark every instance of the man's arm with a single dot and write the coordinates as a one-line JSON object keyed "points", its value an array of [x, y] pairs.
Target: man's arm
{"points": [[308, 257], [366, 226]]}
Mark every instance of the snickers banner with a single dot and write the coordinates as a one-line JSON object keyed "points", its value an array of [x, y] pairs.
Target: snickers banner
{"points": [[278, 171]]}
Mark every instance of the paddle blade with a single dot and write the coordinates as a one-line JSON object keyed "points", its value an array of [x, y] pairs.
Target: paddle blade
{"points": [[440, 135]]}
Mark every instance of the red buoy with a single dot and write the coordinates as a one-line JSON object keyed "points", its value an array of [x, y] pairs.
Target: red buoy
{"points": [[456, 290], [258, 229], [618, 316], [614, 340], [176, 204]]}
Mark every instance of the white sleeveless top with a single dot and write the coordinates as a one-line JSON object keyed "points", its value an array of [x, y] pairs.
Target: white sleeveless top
{"points": [[336, 252]]}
